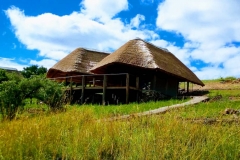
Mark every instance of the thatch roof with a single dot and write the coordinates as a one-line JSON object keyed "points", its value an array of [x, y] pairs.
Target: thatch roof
{"points": [[143, 55], [78, 62]]}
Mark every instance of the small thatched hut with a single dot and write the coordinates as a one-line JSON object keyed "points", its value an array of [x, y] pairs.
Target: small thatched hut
{"points": [[155, 66], [78, 62]]}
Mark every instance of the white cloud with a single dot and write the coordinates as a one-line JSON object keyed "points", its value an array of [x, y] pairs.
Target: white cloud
{"points": [[7, 62], [55, 36], [135, 22], [208, 28], [214, 55], [181, 53], [210, 72], [213, 22], [48, 63], [103, 10]]}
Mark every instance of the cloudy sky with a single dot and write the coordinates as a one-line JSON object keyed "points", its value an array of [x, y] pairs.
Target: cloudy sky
{"points": [[204, 35]]}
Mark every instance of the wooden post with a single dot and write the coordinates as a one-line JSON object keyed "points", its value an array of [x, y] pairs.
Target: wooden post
{"points": [[127, 88], [104, 90], [83, 89], [71, 89], [154, 82], [137, 82], [167, 86], [65, 81], [137, 87], [94, 82], [187, 87]]}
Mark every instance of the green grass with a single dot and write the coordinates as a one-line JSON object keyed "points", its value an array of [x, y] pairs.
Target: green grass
{"points": [[81, 132], [78, 135], [116, 110], [207, 110], [225, 93]]}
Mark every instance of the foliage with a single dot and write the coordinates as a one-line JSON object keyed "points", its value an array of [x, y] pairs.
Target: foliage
{"points": [[151, 95], [13, 93], [33, 70], [10, 98], [14, 76], [230, 78], [3, 76], [51, 93]]}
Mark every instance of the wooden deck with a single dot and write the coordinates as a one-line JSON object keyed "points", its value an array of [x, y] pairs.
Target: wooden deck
{"points": [[102, 83]]}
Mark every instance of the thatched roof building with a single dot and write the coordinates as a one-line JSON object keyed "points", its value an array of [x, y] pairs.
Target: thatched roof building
{"points": [[9, 69], [78, 62], [140, 57]]}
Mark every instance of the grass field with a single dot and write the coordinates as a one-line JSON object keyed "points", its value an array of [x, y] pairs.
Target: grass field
{"points": [[79, 133]]}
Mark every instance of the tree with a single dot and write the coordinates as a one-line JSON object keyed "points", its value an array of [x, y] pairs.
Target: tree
{"points": [[33, 70]]}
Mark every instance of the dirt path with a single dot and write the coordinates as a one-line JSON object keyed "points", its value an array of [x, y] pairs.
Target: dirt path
{"points": [[194, 100]]}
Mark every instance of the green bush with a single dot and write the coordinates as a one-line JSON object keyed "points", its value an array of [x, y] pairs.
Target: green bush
{"points": [[3, 76], [11, 99], [51, 93], [13, 93], [230, 78], [30, 87], [15, 76]]}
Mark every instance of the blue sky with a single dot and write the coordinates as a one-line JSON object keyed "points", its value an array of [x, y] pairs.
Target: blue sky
{"points": [[204, 35]]}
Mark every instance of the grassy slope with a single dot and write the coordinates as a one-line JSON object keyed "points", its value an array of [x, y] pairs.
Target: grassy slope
{"points": [[78, 134]]}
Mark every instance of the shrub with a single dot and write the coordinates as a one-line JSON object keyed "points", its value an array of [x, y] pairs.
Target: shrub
{"points": [[30, 87], [151, 95], [51, 93], [11, 98], [13, 93], [230, 78], [3, 76], [15, 76]]}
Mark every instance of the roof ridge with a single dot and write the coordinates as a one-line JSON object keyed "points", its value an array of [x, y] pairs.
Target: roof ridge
{"points": [[165, 49], [93, 50]]}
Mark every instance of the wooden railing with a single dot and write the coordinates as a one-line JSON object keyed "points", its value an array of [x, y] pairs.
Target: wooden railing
{"points": [[101, 82]]}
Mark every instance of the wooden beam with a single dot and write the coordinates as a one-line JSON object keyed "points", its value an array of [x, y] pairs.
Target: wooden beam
{"points": [[104, 90], [127, 88], [83, 89], [187, 87]]}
